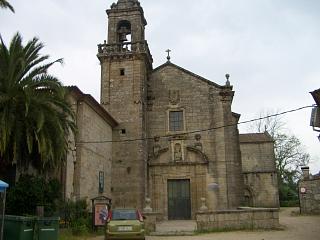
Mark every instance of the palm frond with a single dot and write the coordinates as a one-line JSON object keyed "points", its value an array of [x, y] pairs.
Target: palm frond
{"points": [[35, 117], [6, 4]]}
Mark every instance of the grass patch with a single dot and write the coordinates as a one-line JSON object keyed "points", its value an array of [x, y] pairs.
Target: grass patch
{"points": [[216, 230], [223, 230], [66, 234]]}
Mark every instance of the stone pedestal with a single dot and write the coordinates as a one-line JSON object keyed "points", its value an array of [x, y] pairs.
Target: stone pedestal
{"points": [[148, 208], [203, 207]]}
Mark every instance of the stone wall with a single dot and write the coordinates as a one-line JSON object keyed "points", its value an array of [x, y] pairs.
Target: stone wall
{"points": [[261, 187], [150, 221], [257, 153], [259, 170], [90, 152], [249, 218], [94, 157], [310, 196], [124, 99]]}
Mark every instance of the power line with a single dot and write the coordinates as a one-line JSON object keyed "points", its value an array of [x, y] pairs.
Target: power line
{"points": [[202, 130]]}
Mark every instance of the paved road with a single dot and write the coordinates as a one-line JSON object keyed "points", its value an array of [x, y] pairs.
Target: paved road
{"points": [[295, 228]]}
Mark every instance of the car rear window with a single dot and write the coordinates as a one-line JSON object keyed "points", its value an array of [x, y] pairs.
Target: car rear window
{"points": [[124, 215]]}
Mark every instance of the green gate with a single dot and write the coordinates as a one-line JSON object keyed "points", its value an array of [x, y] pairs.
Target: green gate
{"points": [[179, 204]]}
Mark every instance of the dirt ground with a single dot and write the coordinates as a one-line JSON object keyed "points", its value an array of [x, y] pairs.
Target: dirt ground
{"points": [[295, 227]]}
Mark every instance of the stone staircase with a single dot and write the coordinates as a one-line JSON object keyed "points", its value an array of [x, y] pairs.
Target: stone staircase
{"points": [[175, 228]]}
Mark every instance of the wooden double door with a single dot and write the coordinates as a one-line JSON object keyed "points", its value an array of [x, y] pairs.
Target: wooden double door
{"points": [[179, 201]]}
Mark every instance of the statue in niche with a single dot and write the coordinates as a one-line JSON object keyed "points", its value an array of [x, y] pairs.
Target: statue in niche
{"points": [[198, 144], [156, 147], [174, 97], [177, 152]]}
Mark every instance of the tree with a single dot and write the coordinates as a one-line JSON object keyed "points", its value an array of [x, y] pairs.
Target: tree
{"points": [[35, 117], [32, 191], [290, 153], [290, 156], [6, 4]]}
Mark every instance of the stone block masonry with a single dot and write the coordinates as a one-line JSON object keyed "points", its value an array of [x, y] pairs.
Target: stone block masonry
{"points": [[309, 191], [242, 218]]}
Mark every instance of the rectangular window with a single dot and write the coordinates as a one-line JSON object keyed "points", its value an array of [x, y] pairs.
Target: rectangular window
{"points": [[122, 71], [176, 120]]}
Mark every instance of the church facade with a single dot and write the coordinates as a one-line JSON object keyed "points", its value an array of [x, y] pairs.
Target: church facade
{"points": [[176, 141], [161, 139]]}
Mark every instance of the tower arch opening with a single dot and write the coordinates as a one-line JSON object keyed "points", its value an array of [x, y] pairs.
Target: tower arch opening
{"points": [[124, 31]]}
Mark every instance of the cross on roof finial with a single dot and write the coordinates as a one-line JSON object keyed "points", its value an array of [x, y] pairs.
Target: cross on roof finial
{"points": [[168, 57]]}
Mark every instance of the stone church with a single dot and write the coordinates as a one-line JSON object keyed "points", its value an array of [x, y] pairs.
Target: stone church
{"points": [[176, 141], [162, 139]]}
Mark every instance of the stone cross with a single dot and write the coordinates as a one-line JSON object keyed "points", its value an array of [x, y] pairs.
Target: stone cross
{"points": [[168, 57]]}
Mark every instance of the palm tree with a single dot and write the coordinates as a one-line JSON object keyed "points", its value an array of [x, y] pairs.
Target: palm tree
{"points": [[35, 118], [6, 4]]}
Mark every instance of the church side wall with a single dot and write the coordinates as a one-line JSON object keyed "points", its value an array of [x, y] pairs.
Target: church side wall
{"points": [[68, 169], [258, 157], [259, 172], [88, 159], [263, 189]]}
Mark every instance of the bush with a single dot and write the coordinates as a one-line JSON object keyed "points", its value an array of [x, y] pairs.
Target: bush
{"points": [[30, 192], [292, 203], [79, 226], [76, 216]]}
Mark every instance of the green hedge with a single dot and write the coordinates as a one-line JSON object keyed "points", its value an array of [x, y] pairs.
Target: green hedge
{"points": [[292, 203], [32, 191]]}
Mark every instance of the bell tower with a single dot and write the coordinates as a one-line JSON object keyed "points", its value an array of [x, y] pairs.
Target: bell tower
{"points": [[125, 65], [126, 18]]}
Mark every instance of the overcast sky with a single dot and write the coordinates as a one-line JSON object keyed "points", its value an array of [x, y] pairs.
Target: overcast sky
{"points": [[269, 47]]}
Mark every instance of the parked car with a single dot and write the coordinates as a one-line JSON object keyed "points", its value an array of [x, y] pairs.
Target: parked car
{"points": [[125, 224]]}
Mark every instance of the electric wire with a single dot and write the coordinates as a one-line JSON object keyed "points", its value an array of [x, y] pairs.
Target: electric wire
{"points": [[197, 131]]}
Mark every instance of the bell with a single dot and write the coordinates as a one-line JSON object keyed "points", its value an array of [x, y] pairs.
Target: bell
{"points": [[123, 37]]}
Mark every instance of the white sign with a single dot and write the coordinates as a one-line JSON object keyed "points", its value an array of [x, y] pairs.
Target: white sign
{"points": [[303, 190]]}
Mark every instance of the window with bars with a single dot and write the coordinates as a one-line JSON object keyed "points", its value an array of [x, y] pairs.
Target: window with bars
{"points": [[176, 121]]}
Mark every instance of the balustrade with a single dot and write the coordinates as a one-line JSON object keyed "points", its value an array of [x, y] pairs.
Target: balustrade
{"points": [[123, 48]]}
